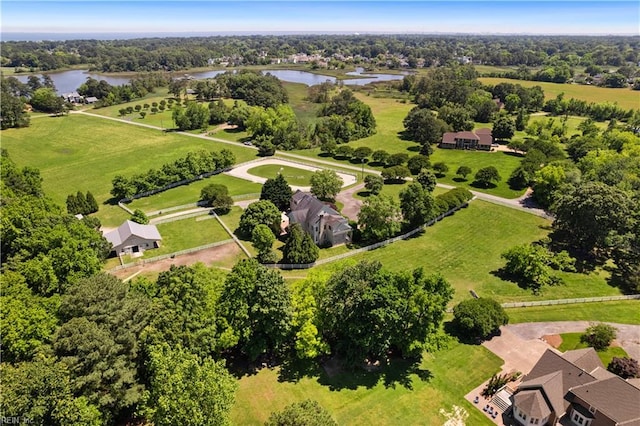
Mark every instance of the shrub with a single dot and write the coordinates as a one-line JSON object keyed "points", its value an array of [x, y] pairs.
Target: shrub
{"points": [[599, 336]]}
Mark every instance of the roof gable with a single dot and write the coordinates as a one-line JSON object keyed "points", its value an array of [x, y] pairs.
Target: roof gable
{"points": [[586, 358], [130, 228]]}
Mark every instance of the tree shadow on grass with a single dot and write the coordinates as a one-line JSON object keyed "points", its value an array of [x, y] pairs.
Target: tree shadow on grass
{"points": [[482, 185], [325, 155], [364, 194], [459, 179], [331, 373], [452, 329], [415, 148]]}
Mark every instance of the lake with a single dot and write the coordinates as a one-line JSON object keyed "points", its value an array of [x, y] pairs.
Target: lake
{"points": [[69, 81]]}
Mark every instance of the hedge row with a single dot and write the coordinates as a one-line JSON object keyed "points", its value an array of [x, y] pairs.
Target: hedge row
{"points": [[452, 199]]}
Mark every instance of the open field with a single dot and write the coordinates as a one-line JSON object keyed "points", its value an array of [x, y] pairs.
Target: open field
{"points": [[505, 162], [293, 175], [465, 248], [191, 193], [622, 311], [82, 153], [626, 98], [571, 341], [375, 398], [306, 111]]}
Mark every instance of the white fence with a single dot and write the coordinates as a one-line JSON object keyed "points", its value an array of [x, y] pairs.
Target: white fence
{"points": [[569, 301]]}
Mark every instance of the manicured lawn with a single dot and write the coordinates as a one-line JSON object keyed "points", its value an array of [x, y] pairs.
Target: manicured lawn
{"points": [[293, 175], [466, 247], [191, 193], [626, 98], [623, 312], [393, 190], [188, 233], [571, 341], [82, 153], [365, 398], [505, 162]]}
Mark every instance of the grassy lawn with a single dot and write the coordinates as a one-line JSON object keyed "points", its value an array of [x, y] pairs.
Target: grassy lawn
{"points": [[82, 153], [307, 112], [622, 311], [188, 233], [293, 175], [571, 341], [626, 98], [365, 398], [505, 162], [191, 193], [466, 249]]}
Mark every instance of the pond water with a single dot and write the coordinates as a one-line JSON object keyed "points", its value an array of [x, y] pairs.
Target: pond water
{"points": [[69, 81]]}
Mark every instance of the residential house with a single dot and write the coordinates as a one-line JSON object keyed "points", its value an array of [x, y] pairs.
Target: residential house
{"points": [[322, 222], [91, 100], [133, 238], [73, 97], [479, 139], [574, 388]]}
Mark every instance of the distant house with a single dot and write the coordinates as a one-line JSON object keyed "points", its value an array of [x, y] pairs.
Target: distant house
{"points": [[91, 100], [133, 238], [574, 388], [73, 97], [323, 223], [480, 139]]}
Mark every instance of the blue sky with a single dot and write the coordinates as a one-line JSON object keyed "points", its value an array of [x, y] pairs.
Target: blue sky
{"points": [[532, 17]]}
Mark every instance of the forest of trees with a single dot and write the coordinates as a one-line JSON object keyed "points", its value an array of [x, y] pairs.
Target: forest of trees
{"points": [[555, 53]]}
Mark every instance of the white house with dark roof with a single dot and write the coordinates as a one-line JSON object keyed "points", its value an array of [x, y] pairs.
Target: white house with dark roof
{"points": [[133, 238], [322, 222], [574, 388]]}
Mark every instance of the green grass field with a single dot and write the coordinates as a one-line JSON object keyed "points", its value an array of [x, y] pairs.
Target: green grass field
{"points": [[505, 162], [465, 248], [571, 341], [623, 312], [187, 233], [82, 153], [191, 193], [365, 399], [306, 111], [293, 175], [626, 98]]}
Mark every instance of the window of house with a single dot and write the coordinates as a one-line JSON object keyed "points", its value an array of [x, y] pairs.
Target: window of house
{"points": [[592, 409]]}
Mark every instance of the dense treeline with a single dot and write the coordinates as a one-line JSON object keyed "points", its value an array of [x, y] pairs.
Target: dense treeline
{"points": [[153, 54], [192, 165]]}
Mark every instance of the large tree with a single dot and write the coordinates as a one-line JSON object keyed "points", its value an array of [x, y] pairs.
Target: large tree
{"points": [[255, 307], [325, 184], [503, 128], [417, 205], [379, 218], [487, 176], [478, 318], [264, 212], [366, 311], [589, 214], [299, 247], [185, 389], [46, 100], [217, 196], [99, 341], [278, 191], [422, 126]]}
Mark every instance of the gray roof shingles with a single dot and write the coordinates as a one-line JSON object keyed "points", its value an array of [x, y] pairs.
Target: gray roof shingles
{"points": [[129, 228]]}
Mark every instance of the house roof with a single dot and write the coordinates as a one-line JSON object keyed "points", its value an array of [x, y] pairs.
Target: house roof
{"points": [[449, 137], [550, 387], [586, 358], [305, 208], [91, 99], [613, 397], [129, 228], [466, 135], [533, 403]]}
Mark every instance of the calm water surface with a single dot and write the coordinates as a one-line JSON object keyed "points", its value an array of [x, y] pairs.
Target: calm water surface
{"points": [[69, 81]]}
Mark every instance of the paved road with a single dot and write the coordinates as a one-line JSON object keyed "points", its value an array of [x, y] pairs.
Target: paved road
{"points": [[628, 336], [350, 205], [523, 203]]}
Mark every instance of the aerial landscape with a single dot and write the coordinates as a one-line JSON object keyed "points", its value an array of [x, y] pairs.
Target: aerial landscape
{"points": [[313, 213]]}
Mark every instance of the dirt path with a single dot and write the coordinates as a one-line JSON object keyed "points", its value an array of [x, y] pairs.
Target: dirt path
{"points": [[206, 256], [351, 206]]}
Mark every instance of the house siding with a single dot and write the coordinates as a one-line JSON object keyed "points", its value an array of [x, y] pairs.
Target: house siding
{"points": [[127, 246]]}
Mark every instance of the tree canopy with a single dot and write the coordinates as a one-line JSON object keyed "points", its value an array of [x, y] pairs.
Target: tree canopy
{"points": [[479, 318]]}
